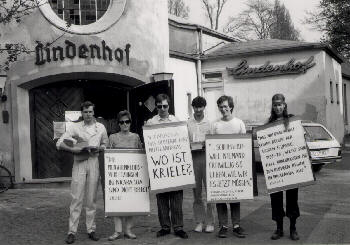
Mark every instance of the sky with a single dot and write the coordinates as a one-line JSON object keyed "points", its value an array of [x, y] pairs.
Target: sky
{"points": [[296, 9]]}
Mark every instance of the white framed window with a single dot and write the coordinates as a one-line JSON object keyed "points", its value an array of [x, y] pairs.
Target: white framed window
{"points": [[331, 91]]}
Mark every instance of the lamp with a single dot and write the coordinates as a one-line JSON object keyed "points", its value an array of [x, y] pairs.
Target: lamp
{"points": [[162, 76]]}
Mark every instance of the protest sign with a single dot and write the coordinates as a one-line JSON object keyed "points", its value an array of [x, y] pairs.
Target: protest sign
{"points": [[59, 128], [126, 182], [169, 156], [229, 167], [284, 155]]}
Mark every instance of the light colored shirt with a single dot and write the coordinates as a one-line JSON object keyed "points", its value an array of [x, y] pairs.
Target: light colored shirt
{"points": [[234, 126], [121, 140], [94, 134], [158, 120], [198, 130]]}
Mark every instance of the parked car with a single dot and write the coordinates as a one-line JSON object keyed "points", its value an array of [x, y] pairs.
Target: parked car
{"points": [[324, 147]]}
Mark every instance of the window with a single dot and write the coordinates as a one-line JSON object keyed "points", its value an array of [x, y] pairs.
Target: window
{"points": [[79, 12], [331, 91], [315, 133], [345, 105], [337, 92]]}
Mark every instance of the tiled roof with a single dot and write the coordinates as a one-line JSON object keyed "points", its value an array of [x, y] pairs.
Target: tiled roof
{"points": [[256, 47]]}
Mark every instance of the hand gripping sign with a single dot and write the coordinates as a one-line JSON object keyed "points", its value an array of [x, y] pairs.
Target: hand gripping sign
{"points": [[284, 155], [229, 167], [169, 156], [126, 182]]}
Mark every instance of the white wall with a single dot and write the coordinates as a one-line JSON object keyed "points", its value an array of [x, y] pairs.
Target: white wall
{"points": [[185, 82]]}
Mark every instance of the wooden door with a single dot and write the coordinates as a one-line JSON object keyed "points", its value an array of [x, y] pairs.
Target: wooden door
{"points": [[48, 104]]}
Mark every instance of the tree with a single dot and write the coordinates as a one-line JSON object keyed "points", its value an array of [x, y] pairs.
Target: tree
{"points": [[178, 8], [213, 11], [333, 18], [283, 27], [13, 11], [255, 22]]}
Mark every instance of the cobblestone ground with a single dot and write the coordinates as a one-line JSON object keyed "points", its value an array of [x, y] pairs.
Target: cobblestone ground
{"points": [[40, 216]]}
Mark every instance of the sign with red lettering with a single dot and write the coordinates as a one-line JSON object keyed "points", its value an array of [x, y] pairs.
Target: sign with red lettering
{"points": [[284, 155], [126, 182], [169, 156], [229, 167]]}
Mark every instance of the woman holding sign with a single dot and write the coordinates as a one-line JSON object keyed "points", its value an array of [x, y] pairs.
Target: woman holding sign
{"points": [[127, 140], [279, 112]]}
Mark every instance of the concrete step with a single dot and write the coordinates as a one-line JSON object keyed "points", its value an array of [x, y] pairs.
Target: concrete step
{"points": [[62, 182]]}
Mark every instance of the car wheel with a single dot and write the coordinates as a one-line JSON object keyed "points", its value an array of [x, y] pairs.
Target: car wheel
{"points": [[317, 168]]}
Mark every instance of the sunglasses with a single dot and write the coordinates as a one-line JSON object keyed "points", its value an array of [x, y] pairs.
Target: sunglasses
{"points": [[125, 122], [162, 106]]}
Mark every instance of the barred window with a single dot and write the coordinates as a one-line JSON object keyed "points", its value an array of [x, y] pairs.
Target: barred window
{"points": [[80, 12]]}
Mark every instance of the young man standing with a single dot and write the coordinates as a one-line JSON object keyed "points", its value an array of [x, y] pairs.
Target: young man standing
{"points": [[228, 124], [85, 172], [198, 127], [168, 201]]}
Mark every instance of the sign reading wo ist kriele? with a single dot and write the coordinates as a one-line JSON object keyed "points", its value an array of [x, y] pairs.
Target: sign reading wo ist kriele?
{"points": [[284, 155], [126, 182], [229, 167], [169, 156]]}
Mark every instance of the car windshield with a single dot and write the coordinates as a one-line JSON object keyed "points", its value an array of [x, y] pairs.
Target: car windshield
{"points": [[315, 133]]}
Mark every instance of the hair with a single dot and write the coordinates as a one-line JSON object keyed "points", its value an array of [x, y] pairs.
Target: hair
{"points": [[123, 114], [86, 104], [199, 101], [285, 115], [161, 97], [229, 99]]}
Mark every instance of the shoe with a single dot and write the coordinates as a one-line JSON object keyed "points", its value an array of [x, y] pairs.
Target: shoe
{"points": [[239, 232], [115, 236], [181, 233], [222, 232], [277, 234], [209, 229], [163, 232], [93, 236], [70, 238], [129, 235], [199, 227], [294, 235]]}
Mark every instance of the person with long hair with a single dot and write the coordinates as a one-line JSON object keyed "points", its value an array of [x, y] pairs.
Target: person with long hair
{"points": [[279, 112], [124, 139]]}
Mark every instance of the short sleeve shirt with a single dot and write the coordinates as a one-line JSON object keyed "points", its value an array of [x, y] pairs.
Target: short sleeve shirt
{"points": [[234, 126], [158, 120], [198, 130], [120, 140]]}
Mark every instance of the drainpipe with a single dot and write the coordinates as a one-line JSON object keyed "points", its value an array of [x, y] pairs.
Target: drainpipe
{"points": [[199, 62]]}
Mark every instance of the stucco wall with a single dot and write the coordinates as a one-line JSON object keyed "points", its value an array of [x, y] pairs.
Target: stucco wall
{"points": [[305, 93], [185, 82], [142, 25]]}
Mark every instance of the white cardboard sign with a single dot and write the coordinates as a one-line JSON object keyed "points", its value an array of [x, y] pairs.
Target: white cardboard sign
{"points": [[284, 156], [169, 156], [229, 167], [126, 182]]}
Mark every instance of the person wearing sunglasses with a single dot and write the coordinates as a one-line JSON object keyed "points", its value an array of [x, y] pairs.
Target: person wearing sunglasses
{"points": [[168, 201], [124, 139]]}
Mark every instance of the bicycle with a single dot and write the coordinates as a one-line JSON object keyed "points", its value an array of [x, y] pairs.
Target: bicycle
{"points": [[6, 181]]}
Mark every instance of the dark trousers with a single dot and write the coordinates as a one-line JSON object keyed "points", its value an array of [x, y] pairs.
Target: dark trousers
{"points": [[170, 201], [223, 213], [292, 208]]}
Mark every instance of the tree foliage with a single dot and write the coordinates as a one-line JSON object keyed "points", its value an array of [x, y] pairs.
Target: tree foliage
{"points": [[178, 8], [262, 20], [333, 19], [213, 10]]}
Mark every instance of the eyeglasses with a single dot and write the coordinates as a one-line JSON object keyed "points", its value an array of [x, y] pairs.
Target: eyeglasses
{"points": [[125, 122], [162, 106]]}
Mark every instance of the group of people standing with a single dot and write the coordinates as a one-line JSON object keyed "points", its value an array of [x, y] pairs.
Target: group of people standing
{"points": [[85, 173]]}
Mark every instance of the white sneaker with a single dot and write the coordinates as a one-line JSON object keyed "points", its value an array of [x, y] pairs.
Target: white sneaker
{"points": [[115, 236], [209, 229], [199, 227]]}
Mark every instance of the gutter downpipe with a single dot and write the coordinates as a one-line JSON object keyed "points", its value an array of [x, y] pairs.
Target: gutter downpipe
{"points": [[199, 62]]}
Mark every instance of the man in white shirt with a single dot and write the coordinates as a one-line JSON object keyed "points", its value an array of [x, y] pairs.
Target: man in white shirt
{"points": [[85, 173], [228, 124], [168, 202], [198, 127]]}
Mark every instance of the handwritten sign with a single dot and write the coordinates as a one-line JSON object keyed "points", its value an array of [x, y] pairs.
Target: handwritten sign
{"points": [[229, 167], [284, 156], [169, 156], [59, 128], [126, 182]]}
